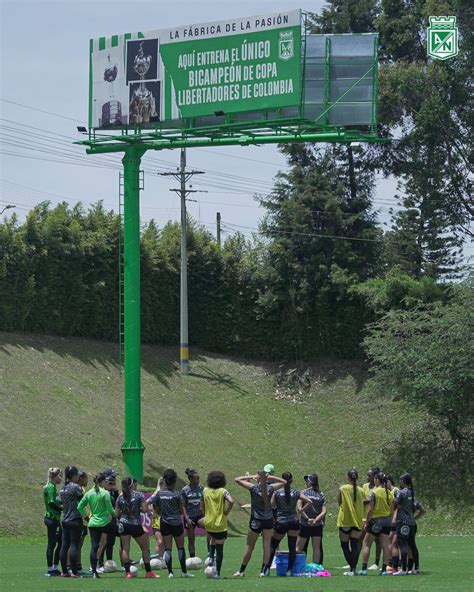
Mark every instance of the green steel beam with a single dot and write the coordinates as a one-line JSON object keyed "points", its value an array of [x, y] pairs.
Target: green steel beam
{"points": [[132, 447], [242, 140]]}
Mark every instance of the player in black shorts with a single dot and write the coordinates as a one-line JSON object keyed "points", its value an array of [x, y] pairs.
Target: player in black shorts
{"points": [[192, 496], [409, 510], [83, 480], [312, 519], [261, 516], [285, 502], [128, 510], [168, 504]]}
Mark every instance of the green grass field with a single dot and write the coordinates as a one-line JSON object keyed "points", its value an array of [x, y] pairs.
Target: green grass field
{"points": [[446, 564], [62, 403]]}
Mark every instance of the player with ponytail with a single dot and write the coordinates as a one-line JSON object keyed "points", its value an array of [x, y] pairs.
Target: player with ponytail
{"points": [[168, 504], [350, 519], [100, 520], [285, 502], [312, 520], [261, 516], [409, 510], [70, 495], [128, 510], [52, 520]]}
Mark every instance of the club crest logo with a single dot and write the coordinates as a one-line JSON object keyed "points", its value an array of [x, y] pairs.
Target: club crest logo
{"points": [[405, 530], [442, 37], [286, 46]]}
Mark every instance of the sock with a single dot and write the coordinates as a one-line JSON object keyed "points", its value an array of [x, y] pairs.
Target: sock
{"points": [[220, 557], [147, 566], [273, 547], [410, 564], [364, 566], [355, 551], [395, 561], [347, 552], [384, 567], [212, 552], [262, 569], [127, 566], [292, 551], [168, 560], [242, 568], [182, 559], [390, 562]]}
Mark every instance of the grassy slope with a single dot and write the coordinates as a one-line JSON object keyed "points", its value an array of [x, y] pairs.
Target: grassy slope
{"points": [[445, 565], [62, 402]]}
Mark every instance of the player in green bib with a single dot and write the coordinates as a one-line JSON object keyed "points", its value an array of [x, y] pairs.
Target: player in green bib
{"points": [[52, 520], [101, 514]]}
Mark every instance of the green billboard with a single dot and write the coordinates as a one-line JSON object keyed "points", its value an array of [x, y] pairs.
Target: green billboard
{"points": [[233, 66]]}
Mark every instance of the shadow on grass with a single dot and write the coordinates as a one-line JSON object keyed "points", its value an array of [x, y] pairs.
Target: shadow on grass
{"points": [[162, 362], [224, 379], [441, 476]]}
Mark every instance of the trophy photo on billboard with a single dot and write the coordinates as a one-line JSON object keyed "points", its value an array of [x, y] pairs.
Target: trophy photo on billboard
{"points": [[144, 95], [112, 109]]}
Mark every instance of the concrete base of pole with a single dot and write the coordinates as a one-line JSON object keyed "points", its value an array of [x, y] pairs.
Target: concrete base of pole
{"points": [[132, 455]]}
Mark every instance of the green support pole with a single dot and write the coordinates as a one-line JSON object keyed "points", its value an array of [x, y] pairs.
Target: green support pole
{"points": [[132, 448]]}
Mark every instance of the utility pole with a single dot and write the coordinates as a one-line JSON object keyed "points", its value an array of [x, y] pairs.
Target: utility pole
{"points": [[183, 177], [218, 226]]}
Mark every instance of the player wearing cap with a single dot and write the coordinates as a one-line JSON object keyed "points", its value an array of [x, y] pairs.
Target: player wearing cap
{"points": [[285, 502], [261, 516], [52, 520], [168, 504], [312, 519], [128, 510]]}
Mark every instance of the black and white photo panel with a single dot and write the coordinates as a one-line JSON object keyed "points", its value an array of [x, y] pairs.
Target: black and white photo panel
{"points": [[110, 103], [142, 60], [144, 103]]}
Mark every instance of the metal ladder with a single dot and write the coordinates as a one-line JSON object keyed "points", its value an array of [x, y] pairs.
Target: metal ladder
{"points": [[121, 268], [121, 272]]}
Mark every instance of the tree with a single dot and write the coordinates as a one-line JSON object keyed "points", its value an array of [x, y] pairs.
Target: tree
{"points": [[304, 298], [424, 357], [427, 105]]}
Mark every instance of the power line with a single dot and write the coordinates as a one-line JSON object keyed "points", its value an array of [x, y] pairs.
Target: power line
{"points": [[42, 111]]}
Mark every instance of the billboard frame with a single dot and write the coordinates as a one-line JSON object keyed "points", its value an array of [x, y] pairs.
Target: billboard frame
{"points": [[135, 142]]}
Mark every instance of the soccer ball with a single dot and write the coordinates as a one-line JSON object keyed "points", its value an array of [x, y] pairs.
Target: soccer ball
{"points": [[157, 563], [193, 563], [210, 571], [133, 571], [110, 566]]}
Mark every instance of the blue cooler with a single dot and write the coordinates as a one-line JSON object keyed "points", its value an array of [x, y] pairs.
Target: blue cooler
{"points": [[281, 560]]}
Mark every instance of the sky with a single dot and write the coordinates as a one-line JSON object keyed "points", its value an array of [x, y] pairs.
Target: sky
{"points": [[44, 96]]}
